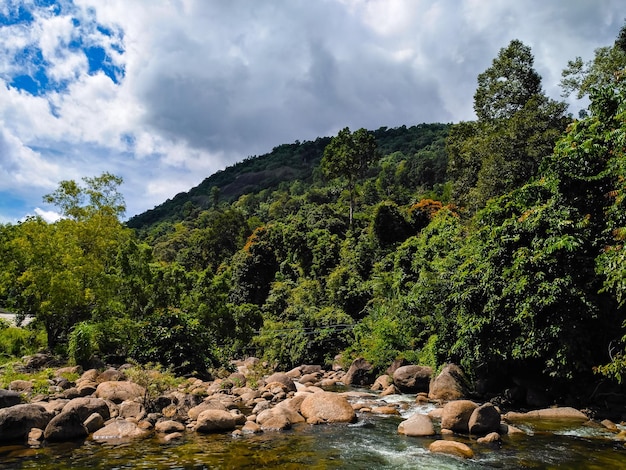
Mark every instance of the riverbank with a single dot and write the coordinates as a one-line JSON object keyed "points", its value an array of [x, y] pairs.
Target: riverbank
{"points": [[105, 408]]}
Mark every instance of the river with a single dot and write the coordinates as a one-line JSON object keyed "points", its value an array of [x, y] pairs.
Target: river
{"points": [[371, 443]]}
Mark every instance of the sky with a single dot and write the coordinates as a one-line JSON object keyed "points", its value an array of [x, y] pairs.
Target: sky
{"points": [[165, 93]]}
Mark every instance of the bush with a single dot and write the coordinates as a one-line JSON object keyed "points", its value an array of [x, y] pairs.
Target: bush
{"points": [[18, 342], [177, 341]]}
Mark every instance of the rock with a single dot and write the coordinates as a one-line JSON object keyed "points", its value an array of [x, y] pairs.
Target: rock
{"points": [[450, 384], [131, 409], [169, 426], [489, 438], [65, 427], [509, 429], [194, 412], [35, 436], [359, 373], [251, 428], [215, 421], [565, 413], [94, 422], [17, 421], [310, 378], [282, 378], [382, 382], [311, 369], [412, 378], [274, 420], [456, 414], [484, 419], [172, 436], [385, 410], [610, 425], [63, 371], [86, 406], [391, 390], [110, 375], [21, 386], [417, 425], [452, 448], [119, 430], [9, 398], [326, 407], [118, 392]]}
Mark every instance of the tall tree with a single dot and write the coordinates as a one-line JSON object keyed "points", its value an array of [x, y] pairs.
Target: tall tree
{"points": [[606, 69], [517, 127], [349, 155]]}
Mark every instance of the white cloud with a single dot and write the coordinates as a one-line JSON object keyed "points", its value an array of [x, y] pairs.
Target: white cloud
{"points": [[201, 84], [48, 216]]}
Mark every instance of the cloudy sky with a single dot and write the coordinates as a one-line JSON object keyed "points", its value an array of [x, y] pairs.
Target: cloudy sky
{"points": [[166, 92]]}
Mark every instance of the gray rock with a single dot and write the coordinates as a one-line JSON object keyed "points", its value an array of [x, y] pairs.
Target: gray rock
{"points": [[412, 378], [65, 427], [9, 398], [17, 421]]}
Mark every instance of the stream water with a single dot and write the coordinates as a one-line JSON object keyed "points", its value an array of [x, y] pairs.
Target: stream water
{"points": [[371, 443]]}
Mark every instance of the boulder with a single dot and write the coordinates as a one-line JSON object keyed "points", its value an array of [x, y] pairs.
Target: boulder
{"points": [[326, 407], [383, 382], [118, 392], [194, 412], [455, 448], [417, 425], [412, 378], [17, 421], [360, 373], [21, 385], [169, 426], [110, 375], [119, 430], [94, 422], [86, 406], [490, 438], [456, 414], [450, 384], [65, 427], [565, 413], [131, 409], [215, 421], [9, 398], [251, 428], [484, 419], [275, 419], [282, 378]]}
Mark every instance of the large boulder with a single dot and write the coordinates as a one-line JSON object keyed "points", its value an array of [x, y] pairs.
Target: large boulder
{"points": [[215, 421], [412, 378], [417, 425], [360, 373], [9, 398], [326, 407], [118, 392], [455, 448], [119, 430], [65, 427], [86, 406], [283, 379], [17, 421], [484, 419], [456, 414], [450, 384]]}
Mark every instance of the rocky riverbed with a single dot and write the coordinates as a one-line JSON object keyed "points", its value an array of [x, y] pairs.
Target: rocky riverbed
{"points": [[103, 406]]}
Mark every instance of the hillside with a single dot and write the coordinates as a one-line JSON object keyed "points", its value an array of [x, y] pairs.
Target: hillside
{"points": [[284, 164]]}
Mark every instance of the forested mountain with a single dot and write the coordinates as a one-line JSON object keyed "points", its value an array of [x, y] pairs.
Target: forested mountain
{"points": [[298, 161], [496, 244]]}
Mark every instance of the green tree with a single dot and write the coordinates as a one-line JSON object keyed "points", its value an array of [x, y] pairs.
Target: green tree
{"points": [[348, 156], [607, 68], [65, 273], [517, 127]]}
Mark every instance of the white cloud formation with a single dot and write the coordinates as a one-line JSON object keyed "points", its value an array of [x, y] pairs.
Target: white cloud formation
{"points": [[188, 87]]}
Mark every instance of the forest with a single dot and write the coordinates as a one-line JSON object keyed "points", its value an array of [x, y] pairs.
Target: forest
{"points": [[496, 244]]}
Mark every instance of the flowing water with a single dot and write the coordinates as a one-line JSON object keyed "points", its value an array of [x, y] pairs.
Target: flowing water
{"points": [[371, 443]]}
